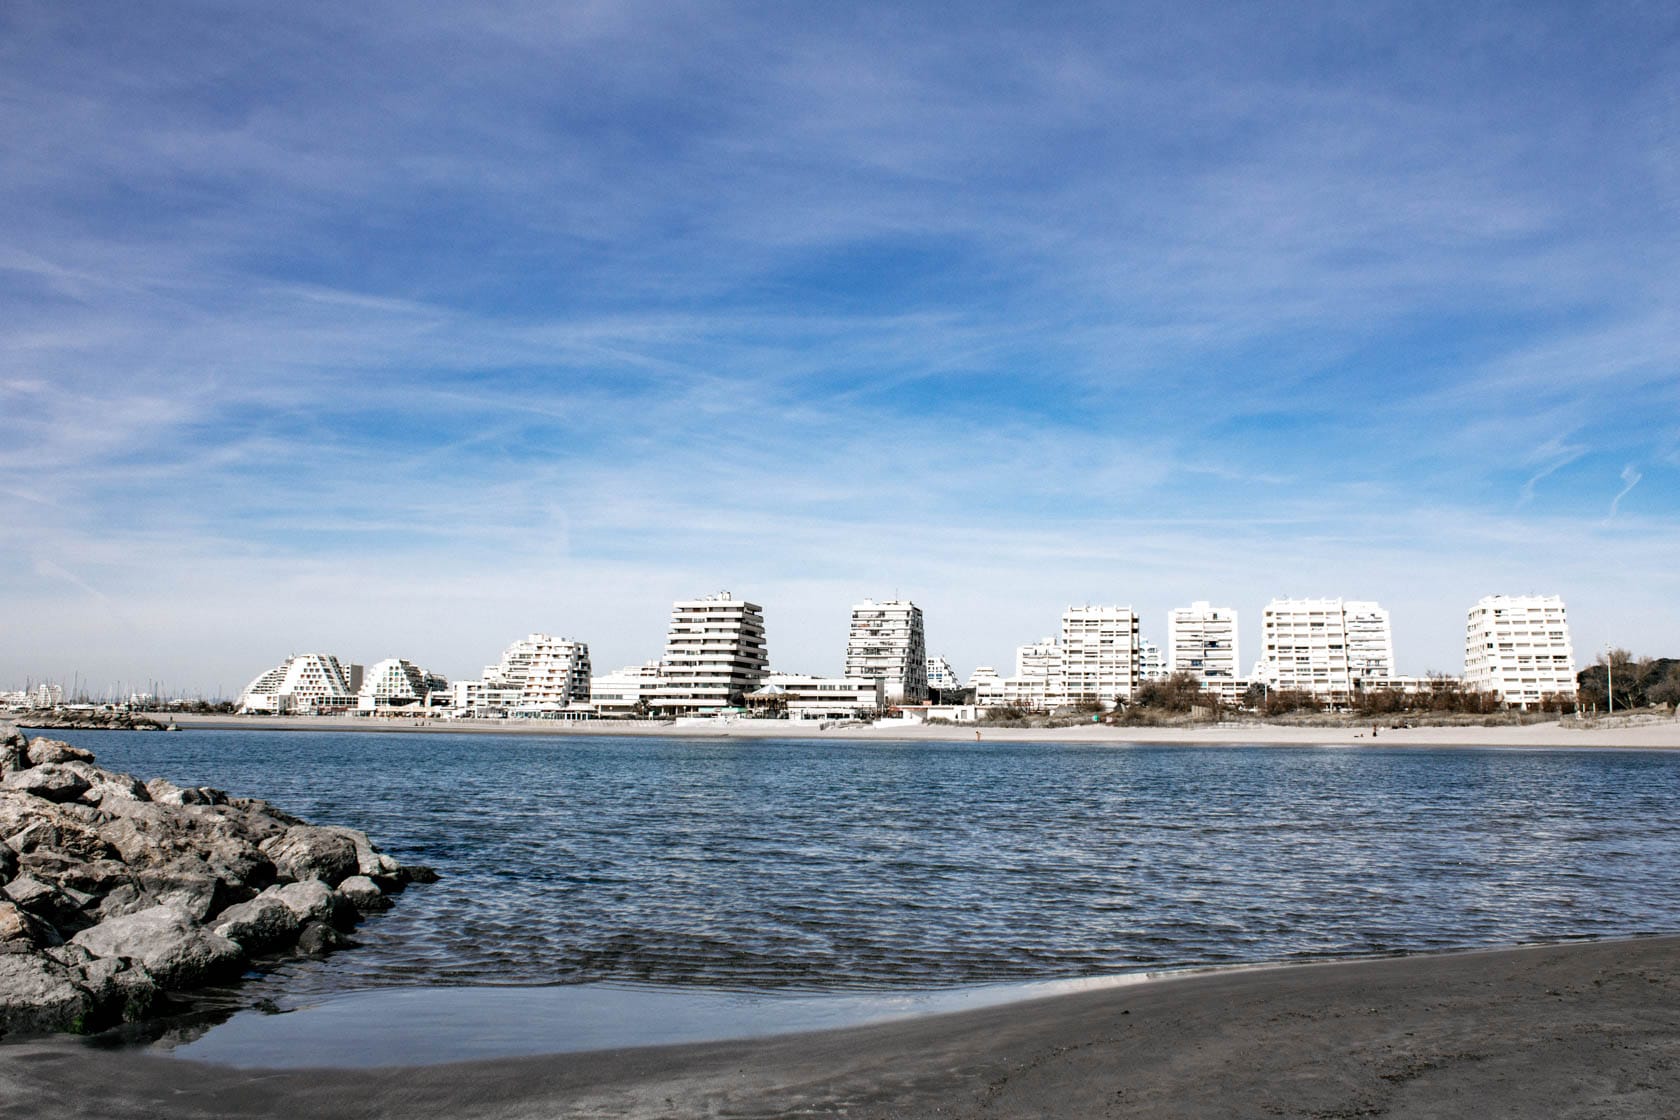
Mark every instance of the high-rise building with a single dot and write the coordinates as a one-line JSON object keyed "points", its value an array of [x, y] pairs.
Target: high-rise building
{"points": [[714, 655], [1202, 639], [1517, 646], [1099, 656], [303, 683], [1327, 647], [1152, 663], [886, 644], [556, 676]]}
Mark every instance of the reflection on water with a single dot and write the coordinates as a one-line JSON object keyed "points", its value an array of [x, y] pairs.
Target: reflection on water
{"points": [[823, 866]]}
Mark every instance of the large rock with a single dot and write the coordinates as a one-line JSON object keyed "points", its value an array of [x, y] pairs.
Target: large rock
{"points": [[304, 852], [54, 782], [364, 894], [167, 792], [60, 834], [37, 994], [106, 785], [174, 950], [256, 925], [43, 751], [23, 932], [14, 751], [311, 900]]}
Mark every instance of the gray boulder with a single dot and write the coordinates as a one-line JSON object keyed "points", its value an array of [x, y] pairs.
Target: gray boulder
{"points": [[364, 894], [174, 950], [168, 793], [106, 785], [311, 900], [318, 939], [44, 751], [258, 924], [38, 994], [14, 751], [304, 852], [121, 989], [54, 782], [23, 932]]}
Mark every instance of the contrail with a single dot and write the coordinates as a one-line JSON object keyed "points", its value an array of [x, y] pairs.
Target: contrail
{"points": [[1629, 476]]}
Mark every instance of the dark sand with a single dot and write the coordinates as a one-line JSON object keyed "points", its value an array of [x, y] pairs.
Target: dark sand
{"points": [[1583, 1030]]}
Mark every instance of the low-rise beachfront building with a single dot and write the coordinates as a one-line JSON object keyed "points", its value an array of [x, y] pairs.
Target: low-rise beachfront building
{"points": [[303, 684], [1099, 656], [396, 684], [1328, 648], [1152, 661], [625, 693], [1518, 647], [715, 654], [1202, 640], [886, 641], [802, 697]]}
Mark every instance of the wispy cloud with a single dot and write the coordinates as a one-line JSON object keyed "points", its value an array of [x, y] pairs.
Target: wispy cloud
{"points": [[1630, 479], [566, 312]]}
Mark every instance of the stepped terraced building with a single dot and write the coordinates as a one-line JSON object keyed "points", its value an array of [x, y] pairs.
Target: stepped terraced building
{"points": [[715, 654], [303, 684]]}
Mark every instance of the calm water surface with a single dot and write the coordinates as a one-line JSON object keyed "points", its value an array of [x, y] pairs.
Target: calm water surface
{"points": [[800, 865]]}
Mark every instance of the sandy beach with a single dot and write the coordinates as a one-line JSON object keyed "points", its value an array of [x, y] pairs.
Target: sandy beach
{"points": [[1663, 735], [1580, 1030]]}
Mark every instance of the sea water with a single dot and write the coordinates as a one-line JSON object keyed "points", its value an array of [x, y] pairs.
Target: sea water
{"points": [[778, 872]]}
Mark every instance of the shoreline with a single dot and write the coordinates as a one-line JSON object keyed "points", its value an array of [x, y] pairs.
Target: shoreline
{"points": [[1574, 1029], [1664, 735]]}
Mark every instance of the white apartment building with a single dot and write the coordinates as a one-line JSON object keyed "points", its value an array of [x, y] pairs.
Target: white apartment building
{"points": [[1518, 647], [627, 692], [1038, 681], [1152, 661], [886, 642], [1202, 639], [303, 683], [714, 655], [1099, 656], [396, 683], [941, 676], [1327, 647], [556, 678]]}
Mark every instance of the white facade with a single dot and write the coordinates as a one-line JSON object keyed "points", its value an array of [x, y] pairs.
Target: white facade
{"points": [[625, 692], [303, 683], [1518, 647], [1202, 639], [806, 697], [398, 683], [1152, 661], [1099, 659], [556, 676], [1327, 647], [886, 642], [714, 655], [940, 675]]}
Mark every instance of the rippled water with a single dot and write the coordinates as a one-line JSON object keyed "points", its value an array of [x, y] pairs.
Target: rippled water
{"points": [[798, 864]]}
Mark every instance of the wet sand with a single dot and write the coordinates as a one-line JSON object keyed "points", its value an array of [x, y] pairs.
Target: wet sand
{"points": [[1663, 735], [1581, 1030]]}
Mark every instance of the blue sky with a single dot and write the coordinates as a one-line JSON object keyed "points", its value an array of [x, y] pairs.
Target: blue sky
{"points": [[403, 332]]}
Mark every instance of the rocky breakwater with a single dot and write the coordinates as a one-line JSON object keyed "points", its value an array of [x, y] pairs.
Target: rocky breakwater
{"points": [[115, 893]]}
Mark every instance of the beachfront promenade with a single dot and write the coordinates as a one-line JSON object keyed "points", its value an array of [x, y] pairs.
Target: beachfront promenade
{"points": [[1655, 735]]}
